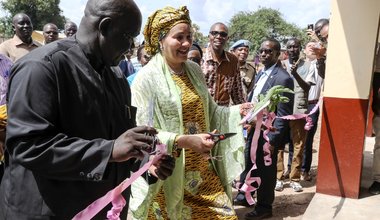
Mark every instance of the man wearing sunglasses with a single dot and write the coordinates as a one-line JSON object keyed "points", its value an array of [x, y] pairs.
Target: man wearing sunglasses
{"points": [[321, 35], [272, 74], [221, 69], [321, 29]]}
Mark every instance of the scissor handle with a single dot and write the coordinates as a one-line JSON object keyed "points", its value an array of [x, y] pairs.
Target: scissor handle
{"points": [[217, 137], [221, 137]]}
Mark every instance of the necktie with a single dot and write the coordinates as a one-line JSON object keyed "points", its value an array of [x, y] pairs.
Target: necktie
{"points": [[259, 75]]}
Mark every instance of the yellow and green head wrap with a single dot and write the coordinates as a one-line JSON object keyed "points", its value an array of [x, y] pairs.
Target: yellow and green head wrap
{"points": [[160, 23]]}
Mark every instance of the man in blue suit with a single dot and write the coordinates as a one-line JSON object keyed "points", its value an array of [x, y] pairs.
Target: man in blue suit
{"points": [[273, 74]]}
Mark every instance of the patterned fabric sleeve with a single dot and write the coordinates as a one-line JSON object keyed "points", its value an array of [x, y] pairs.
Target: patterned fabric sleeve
{"points": [[3, 116], [5, 66], [237, 95]]}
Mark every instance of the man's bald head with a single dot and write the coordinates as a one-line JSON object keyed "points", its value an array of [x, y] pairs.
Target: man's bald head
{"points": [[70, 28], [23, 27], [322, 28], [218, 24], [109, 8], [50, 32], [108, 28], [320, 23], [70, 23], [17, 16]]}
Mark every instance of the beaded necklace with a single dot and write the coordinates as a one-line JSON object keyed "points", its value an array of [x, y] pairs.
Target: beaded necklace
{"points": [[177, 73]]}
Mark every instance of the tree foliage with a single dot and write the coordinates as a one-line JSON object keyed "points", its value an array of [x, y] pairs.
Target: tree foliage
{"points": [[263, 23], [6, 27], [39, 11], [198, 36]]}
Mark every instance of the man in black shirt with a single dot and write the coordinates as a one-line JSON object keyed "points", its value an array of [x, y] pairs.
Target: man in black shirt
{"points": [[71, 134]]}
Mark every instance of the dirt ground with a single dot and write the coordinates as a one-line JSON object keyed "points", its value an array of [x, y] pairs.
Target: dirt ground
{"points": [[289, 204]]}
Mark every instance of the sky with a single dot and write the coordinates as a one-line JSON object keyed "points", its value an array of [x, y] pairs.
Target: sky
{"points": [[206, 12]]}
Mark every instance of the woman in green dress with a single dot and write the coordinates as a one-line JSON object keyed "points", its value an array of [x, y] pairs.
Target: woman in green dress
{"points": [[184, 113]]}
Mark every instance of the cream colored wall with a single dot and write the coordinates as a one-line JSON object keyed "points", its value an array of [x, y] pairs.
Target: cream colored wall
{"points": [[352, 39]]}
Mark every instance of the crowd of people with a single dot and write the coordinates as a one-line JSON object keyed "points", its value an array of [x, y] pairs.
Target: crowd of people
{"points": [[79, 114]]}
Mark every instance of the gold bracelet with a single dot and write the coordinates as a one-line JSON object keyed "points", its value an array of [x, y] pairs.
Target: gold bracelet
{"points": [[176, 152]]}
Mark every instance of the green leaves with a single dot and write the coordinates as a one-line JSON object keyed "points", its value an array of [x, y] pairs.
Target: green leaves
{"points": [[198, 36], [263, 23], [275, 96], [40, 12], [6, 29]]}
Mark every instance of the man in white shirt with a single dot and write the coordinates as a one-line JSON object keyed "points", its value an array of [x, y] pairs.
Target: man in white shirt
{"points": [[273, 75]]}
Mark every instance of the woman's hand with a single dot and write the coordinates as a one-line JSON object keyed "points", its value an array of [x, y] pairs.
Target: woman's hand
{"points": [[245, 108], [201, 143]]}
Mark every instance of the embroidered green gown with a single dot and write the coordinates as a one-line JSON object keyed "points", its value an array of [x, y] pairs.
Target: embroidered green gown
{"points": [[198, 188]]}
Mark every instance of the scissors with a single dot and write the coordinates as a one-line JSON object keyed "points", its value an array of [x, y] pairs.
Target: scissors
{"points": [[150, 151], [220, 137]]}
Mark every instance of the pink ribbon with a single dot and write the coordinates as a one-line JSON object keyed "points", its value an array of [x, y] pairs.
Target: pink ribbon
{"points": [[248, 187], [266, 148], [118, 204], [251, 184], [309, 121], [114, 195]]}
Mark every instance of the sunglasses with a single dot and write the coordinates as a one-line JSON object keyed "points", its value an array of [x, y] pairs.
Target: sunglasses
{"points": [[220, 33]]}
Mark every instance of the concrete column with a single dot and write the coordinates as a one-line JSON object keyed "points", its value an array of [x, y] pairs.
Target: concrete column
{"points": [[350, 56]]}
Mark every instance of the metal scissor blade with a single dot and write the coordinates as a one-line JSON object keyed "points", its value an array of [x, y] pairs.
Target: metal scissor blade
{"points": [[228, 135]]}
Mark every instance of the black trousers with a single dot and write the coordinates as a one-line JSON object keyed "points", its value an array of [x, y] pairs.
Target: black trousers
{"points": [[1, 170], [375, 95], [265, 193]]}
